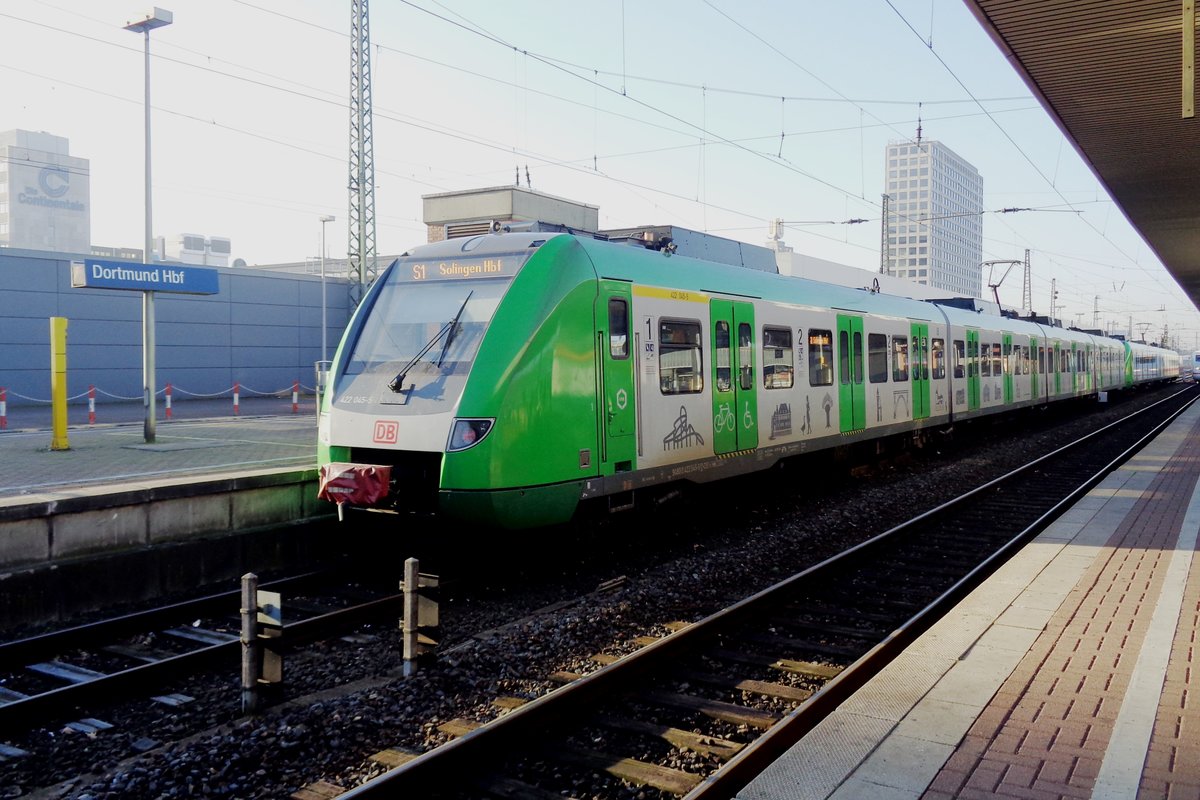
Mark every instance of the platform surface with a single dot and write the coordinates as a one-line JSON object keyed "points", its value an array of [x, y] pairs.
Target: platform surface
{"points": [[203, 439], [1070, 673]]}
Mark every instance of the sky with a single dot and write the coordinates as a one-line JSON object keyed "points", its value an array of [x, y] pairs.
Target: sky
{"points": [[713, 115]]}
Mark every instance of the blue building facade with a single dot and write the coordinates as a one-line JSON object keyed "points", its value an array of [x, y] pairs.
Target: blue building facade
{"points": [[262, 330]]}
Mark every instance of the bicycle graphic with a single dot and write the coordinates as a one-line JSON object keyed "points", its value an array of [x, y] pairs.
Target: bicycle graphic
{"points": [[724, 419]]}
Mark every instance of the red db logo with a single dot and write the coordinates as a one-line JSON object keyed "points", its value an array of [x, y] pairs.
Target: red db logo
{"points": [[385, 432]]}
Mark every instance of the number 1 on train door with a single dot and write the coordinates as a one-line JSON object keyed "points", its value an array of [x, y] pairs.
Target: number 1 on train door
{"points": [[617, 409], [852, 394]]}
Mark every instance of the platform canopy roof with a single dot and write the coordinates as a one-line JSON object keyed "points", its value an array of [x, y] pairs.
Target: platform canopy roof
{"points": [[1116, 75]]}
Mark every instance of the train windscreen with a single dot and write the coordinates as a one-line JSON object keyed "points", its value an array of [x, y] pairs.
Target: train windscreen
{"points": [[434, 311]]}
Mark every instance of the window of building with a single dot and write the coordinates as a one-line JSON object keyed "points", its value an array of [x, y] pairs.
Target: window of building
{"points": [[820, 358], [778, 359], [680, 361]]}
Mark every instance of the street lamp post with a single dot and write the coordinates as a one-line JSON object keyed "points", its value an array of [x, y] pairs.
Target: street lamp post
{"points": [[154, 18], [324, 326]]}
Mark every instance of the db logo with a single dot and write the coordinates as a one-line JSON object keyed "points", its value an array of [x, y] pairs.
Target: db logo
{"points": [[385, 432]]}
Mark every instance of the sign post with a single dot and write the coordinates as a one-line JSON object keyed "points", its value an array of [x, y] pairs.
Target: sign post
{"points": [[94, 273]]}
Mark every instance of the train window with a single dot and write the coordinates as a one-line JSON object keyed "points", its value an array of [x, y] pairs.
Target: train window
{"points": [[899, 358], [937, 359], [746, 355], [997, 362], [680, 363], [1064, 361], [618, 328], [972, 359], [985, 364], [844, 358], [877, 357], [1025, 359], [778, 357], [1042, 360], [959, 357], [858, 357], [721, 357], [820, 358]]}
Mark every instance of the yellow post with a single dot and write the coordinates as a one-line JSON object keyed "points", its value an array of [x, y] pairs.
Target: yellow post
{"points": [[58, 382]]}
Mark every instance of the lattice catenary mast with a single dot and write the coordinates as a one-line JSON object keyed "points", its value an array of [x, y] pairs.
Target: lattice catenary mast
{"points": [[361, 266]]}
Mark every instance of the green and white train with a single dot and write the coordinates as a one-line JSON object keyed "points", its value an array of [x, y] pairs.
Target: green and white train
{"points": [[511, 378]]}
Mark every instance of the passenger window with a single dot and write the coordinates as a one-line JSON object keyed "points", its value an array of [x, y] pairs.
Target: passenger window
{"points": [[1042, 360], [721, 356], [985, 364], [778, 358], [997, 362], [844, 358], [680, 363], [973, 359], [820, 358], [877, 357], [746, 355], [959, 357], [858, 357], [1024, 359], [937, 358], [899, 358], [618, 328]]}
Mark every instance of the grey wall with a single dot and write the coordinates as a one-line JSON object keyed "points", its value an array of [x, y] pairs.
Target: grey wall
{"points": [[262, 329]]}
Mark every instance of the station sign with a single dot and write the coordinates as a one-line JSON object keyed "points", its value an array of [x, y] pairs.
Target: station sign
{"points": [[94, 273]]}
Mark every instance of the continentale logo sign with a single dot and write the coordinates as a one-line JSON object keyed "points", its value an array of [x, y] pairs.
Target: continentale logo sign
{"points": [[53, 183]]}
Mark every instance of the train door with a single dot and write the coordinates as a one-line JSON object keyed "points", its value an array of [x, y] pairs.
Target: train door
{"points": [[852, 394], [735, 399], [1033, 372], [618, 422], [1076, 377], [1057, 367], [972, 370], [1008, 369], [920, 370]]}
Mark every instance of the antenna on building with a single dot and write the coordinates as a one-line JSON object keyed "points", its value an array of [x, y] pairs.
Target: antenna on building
{"points": [[918, 124]]}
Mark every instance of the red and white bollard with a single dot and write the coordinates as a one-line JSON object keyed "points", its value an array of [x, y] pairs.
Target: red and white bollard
{"points": [[3, 408], [167, 395], [91, 405], [236, 397], [295, 397]]}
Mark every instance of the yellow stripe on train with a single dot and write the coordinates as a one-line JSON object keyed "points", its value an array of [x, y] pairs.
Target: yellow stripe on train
{"points": [[683, 295]]}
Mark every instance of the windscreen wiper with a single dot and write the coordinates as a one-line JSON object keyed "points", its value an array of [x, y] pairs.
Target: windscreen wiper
{"points": [[453, 328], [397, 383]]}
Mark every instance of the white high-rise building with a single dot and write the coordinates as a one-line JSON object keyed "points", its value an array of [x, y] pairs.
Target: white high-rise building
{"points": [[45, 194], [935, 223]]}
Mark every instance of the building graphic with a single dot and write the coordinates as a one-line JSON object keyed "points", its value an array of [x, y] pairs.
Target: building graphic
{"points": [[935, 224], [45, 194]]}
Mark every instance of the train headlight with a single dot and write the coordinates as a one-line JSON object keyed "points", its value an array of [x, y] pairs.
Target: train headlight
{"points": [[467, 433]]}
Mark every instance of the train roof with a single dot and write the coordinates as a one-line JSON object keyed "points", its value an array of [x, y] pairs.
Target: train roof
{"points": [[625, 261]]}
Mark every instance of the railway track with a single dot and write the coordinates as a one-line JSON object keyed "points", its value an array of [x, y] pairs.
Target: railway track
{"points": [[88, 666], [702, 709]]}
